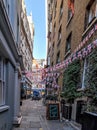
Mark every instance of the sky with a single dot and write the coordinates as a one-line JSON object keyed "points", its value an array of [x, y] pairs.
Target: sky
{"points": [[37, 7]]}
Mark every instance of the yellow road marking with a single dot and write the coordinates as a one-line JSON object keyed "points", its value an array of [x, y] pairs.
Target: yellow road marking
{"points": [[40, 129]]}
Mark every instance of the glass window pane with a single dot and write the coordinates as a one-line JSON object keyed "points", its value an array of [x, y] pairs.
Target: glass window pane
{"points": [[0, 93], [3, 92], [0, 67]]}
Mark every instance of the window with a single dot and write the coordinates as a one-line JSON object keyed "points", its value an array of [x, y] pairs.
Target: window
{"points": [[54, 30], [55, 9], [68, 43], [59, 35], [53, 49], [48, 60], [61, 10], [69, 14], [52, 63], [91, 12], [2, 81], [17, 28], [70, 8], [84, 73], [58, 57], [50, 26]]}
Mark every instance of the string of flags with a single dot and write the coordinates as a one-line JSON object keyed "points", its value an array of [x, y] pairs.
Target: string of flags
{"points": [[79, 53]]}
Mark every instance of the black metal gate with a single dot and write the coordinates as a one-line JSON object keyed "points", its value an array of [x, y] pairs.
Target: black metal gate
{"points": [[79, 112], [66, 110]]}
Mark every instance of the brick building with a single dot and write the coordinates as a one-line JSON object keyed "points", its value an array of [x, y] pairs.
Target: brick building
{"points": [[72, 36]]}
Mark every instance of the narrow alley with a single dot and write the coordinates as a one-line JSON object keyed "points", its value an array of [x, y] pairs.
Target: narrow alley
{"points": [[48, 64], [34, 118]]}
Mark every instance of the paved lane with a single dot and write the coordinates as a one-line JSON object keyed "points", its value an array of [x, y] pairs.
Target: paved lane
{"points": [[34, 118]]}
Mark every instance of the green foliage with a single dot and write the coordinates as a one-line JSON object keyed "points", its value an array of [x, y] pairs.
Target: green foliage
{"points": [[53, 97], [71, 80], [91, 90]]}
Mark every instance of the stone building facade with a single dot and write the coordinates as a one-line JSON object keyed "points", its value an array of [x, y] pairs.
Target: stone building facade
{"points": [[37, 66], [26, 48], [27, 38], [71, 29], [10, 63]]}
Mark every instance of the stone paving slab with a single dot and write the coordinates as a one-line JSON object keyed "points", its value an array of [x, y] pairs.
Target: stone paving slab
{"points": [[24, 119], [29, 118], [19, 128], [68, 128], [32, 129], [25, 124], [34, 118], [33, 114], [28, 129], [35, 125]]}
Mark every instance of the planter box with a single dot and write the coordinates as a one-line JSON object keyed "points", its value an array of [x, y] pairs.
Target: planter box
{"points": [[89, 121]]}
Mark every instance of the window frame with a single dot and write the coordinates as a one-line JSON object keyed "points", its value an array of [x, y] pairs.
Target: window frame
{"points": [[55, 9], [58, 57], [54, 31], [70, 14], [2, 81], [61, 11], [59, 35], [68, 41], [84, 72], [89, 10]]}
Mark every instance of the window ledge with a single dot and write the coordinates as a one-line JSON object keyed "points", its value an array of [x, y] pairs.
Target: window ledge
{"points": [[87, 29], [67, 53], [60, 17], [91, 113], [80, 89], [59, 40], [3, 108], [69, 21]]}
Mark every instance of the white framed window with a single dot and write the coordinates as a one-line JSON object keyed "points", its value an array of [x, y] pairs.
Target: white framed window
{"points": [[92, 11], [2, 81], [84, 73]]}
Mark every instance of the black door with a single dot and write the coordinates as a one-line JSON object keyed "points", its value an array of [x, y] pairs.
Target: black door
{"points": [[79, 113]]}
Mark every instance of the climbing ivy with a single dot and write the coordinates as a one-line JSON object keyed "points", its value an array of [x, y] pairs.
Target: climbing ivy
{"points": [[91, 89], [71, 80]]}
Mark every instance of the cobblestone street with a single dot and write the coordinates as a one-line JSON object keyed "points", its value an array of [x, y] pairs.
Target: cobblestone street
{"points": [[34, 118]]}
